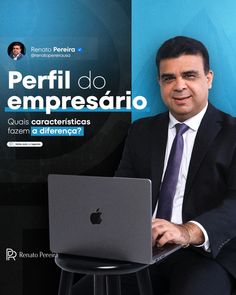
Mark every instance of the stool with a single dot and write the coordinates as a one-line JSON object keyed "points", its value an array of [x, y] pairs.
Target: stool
{"points": [[106, 274]]}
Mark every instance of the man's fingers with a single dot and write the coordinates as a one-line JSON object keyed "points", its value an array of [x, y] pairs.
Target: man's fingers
{"points": [[164, 232], [158, 229]]}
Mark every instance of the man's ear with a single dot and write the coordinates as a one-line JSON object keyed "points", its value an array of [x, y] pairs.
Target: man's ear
{"points": [[210, 76]]}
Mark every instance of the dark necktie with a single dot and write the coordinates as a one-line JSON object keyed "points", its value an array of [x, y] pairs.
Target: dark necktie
{"points": [[168, 187]]}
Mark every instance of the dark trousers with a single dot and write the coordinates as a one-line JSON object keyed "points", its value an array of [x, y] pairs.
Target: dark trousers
{"points": [[185, 272]]}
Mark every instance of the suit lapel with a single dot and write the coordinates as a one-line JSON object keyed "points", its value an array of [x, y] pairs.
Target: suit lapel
{"points": [[209, 128], [158, 147]]}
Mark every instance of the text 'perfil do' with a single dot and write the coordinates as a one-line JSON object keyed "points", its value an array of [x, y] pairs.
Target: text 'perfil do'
{"points": [[59, 80]]}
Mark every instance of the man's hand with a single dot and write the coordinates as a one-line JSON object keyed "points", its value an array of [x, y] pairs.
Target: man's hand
{"points": [[164, 232]]}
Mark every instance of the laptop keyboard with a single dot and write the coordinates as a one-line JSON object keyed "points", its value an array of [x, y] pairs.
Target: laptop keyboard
{"points": [[167, 248], [158, 250]]}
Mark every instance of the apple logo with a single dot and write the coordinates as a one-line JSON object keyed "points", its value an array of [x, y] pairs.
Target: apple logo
{"points": [[95, 217]]}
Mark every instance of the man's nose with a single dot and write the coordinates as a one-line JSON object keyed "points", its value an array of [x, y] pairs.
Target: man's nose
{"points": [[179, 84]]}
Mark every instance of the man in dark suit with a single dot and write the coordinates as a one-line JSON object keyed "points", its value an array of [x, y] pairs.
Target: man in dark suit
{"points": [[16, 52], [203, 209]]}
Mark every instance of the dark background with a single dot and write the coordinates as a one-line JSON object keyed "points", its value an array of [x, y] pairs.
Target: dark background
{"points": [[23, 171]]}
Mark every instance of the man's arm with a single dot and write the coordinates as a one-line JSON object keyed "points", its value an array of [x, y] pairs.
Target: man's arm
{"points": [[126, 168]]}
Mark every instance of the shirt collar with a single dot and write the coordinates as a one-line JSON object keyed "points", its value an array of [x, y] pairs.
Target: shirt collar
{"points": [[193, 122]]}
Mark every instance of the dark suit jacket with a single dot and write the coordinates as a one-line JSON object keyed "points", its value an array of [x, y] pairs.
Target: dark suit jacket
{"points": [[18, 57], [210, 193]]}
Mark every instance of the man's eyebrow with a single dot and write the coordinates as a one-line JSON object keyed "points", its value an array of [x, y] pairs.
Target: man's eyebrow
{"points": [[167, 75], [193, 72]]}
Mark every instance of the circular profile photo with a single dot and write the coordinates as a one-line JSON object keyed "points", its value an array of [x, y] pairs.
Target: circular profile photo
{"points": [[16, 50]]}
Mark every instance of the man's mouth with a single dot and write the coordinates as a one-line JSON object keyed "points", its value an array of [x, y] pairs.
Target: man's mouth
{"points": [[181, 98]]}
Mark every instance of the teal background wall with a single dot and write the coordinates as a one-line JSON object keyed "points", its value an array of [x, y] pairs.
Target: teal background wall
{"points": [[212, 22]]}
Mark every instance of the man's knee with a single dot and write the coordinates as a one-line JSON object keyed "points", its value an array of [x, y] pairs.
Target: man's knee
{"points": [[200, 275]]}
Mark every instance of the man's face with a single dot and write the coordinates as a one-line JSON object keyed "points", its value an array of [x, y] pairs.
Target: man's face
{"points": [[16, 49], [184, 85]]}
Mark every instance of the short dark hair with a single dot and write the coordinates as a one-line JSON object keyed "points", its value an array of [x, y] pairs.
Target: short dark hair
{"points": [[17, 44], [181, 45]]}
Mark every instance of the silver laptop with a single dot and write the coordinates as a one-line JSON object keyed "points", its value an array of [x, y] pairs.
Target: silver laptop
{"points": [[105, 217]]}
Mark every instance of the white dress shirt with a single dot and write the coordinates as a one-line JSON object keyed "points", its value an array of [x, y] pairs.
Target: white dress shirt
{"points": [[189, 138]]}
